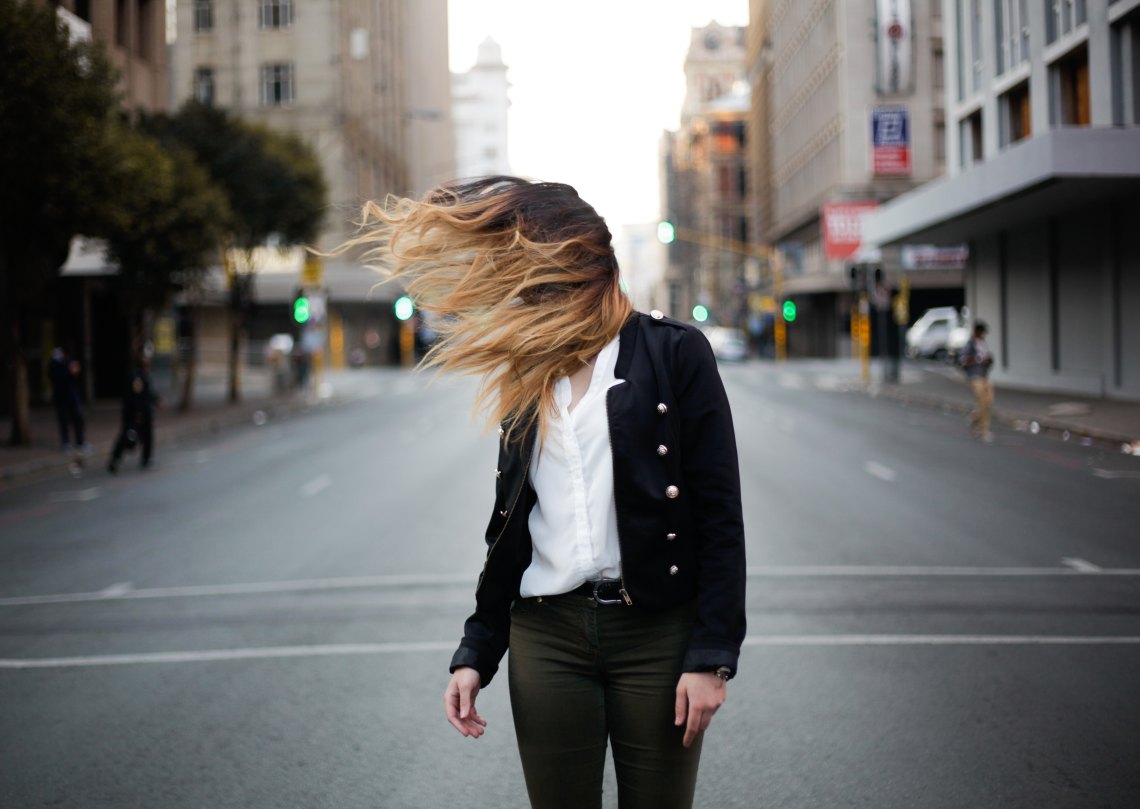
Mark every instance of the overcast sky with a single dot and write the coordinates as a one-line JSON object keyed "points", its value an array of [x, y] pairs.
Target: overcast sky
{"points": [[593, 85]]}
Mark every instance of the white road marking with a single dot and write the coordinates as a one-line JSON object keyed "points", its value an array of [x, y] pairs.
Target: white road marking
{"points": [[316, 485], [250, 588], [934, 571], [1109, 474], [1083, 565], [80, 495], [332, 650], [126, 592], [877, 470]]}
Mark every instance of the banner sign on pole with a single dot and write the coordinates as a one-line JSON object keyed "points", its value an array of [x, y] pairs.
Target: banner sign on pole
{"points": [[842, 226], [894, 38], [890, 142]]}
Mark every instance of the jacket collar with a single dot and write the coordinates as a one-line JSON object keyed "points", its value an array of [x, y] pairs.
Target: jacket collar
{"points": [[628, 334]]}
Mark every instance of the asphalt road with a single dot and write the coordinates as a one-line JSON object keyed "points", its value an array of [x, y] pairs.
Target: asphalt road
{"points": [[265, 619]]}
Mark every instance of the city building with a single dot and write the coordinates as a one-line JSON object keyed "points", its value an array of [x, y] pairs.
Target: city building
{"points": [[704, 181], [847, 98], [1043, 148], [133, 33], [480, 104], [366, 84]]}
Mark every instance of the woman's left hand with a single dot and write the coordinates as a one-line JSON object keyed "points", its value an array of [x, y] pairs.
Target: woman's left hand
{"points": [[699, 694]]}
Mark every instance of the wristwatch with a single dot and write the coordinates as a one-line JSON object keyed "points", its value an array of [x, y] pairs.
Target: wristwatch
{"points": [[723, 672]]}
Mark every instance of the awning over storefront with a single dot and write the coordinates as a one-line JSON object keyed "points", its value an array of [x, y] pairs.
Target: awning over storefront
{"points": [[1047, 175]]}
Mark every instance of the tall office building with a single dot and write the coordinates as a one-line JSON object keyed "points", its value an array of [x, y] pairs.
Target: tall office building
{"points": [[704, 180], [848, 99], [1043, 148]]}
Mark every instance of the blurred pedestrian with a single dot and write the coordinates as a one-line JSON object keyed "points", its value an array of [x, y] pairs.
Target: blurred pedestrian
{"points": [[67, 398], [137, 426], [615, 567], [976, 360]]}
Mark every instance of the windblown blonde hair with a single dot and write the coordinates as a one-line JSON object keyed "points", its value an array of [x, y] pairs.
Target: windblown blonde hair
{"points": [[521, 277]]}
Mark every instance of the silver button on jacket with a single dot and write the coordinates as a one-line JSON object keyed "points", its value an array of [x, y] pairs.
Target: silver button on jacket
{"points": [[671, 492], [662, 408]]}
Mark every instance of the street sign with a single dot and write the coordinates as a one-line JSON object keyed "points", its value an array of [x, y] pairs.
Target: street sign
{"points": [[890, 142], [842, 224]]}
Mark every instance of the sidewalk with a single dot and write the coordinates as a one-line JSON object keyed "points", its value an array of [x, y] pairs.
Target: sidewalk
{"points": [[210, 413], [1106, 422]]}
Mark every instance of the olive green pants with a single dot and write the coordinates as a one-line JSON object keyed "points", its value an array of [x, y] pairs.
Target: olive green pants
{"points": [[581, 673]]}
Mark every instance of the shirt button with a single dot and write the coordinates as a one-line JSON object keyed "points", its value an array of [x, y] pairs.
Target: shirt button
{"points": [[662, 409], [662, 450], [671, 492], [657, 314], [673, 570], [670, 537]]}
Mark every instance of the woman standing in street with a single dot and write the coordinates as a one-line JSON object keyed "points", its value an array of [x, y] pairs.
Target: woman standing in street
{"points": [[615, 566]]}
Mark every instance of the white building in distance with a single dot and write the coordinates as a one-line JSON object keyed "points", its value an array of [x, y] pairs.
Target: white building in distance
{"points": [[479, 106]]}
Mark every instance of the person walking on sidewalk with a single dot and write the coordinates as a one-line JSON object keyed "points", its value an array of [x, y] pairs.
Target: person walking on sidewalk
{"points": [[63, 372], [976, 361], [138, 416], [615, 567]]}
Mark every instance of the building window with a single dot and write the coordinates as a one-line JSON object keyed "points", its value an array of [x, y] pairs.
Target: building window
{"points": [[1016, 119], [1011, 28], [277, 85], [122, 24], [204, 85], [274, 13], [1062, 16], [1125, 58], [203, 15], [970, 140], [937, 71], [1070, 84], [940, 142]]}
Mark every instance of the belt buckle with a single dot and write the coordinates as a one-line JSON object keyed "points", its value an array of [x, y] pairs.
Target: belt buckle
{"points": [[598, 598]]}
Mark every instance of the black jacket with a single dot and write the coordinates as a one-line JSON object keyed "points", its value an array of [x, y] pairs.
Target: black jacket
{"points": [[670, 426]]}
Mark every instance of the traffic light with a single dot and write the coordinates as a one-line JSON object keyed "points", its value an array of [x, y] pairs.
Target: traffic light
{"points": [[789, 311], [301, 312], [404, 307], [700, 313], [666, 233]]}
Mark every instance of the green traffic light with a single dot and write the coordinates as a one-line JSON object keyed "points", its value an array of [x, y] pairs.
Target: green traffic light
{"points": [[666, 233], [301, 310], [789, 311], [700, 313], [404, 307]]}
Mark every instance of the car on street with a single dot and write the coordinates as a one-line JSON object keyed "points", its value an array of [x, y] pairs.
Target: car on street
{"points": [[940, 333], [728, 345]]}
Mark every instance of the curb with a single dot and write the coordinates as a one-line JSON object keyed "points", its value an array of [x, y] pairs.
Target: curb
{"points": [[1021, 422]]}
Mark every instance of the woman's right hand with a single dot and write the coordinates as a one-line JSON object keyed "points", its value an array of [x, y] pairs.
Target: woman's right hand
{"points": [[459, 702]]}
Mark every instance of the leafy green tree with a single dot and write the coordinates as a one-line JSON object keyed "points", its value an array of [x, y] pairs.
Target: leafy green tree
{"points": [[167, 230], [56, 98], [275, 186]]}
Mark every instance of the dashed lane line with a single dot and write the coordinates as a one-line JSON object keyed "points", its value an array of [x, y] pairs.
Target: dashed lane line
{"points": [[877, 470], [335, 650], [316, 485]]}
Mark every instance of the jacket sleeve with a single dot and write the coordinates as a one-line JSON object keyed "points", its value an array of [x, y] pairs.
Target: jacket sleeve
{"points": [[712, 474], [486, 633]]}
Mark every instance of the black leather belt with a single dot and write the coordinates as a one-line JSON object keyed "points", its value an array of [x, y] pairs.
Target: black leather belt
{"points": [[604, 591]]}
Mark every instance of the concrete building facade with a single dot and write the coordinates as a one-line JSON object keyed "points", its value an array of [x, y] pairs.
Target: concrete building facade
{"points": [[849, 96], [1043, 147], [480, 105], [704, 180], [133, 32]]}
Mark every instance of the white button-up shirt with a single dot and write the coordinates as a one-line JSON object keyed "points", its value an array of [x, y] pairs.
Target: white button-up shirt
{"points": [[573, 526]]}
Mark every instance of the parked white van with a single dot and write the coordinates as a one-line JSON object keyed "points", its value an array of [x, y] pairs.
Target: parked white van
{"points": [[940, 333]]}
